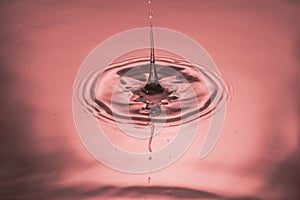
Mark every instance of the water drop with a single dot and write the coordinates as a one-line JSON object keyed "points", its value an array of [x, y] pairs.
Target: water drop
{"points": [[151, 14]]}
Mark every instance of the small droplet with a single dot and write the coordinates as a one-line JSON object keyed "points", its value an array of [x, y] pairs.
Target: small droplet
{"points": [[149, 179], [150, 158], [151, 14], [149, 1]]}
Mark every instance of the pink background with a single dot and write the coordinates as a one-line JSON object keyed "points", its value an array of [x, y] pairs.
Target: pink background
{"points": [[255, 44]]}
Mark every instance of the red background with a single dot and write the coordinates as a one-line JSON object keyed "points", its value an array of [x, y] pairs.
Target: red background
{"points": [[255, 44]]}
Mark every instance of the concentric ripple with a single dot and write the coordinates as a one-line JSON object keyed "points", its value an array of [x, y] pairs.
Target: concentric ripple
{"points": [[117, 94]]}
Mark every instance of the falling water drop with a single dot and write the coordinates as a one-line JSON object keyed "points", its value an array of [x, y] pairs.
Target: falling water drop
{"points": [[150, 14]]}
